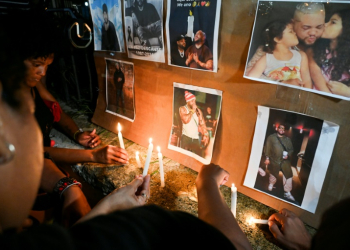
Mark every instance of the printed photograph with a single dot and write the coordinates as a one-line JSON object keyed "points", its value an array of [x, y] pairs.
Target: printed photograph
{"points": [[144, 29], [196, 113], [120, 89], [108, 25], [192, 34], [290, 156], [303, 45]]}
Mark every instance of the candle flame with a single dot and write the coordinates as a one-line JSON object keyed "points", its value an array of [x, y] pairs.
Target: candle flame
{"points": [[137, 153], [250, 221], [150, 140], [119, 127], [158, 148]]}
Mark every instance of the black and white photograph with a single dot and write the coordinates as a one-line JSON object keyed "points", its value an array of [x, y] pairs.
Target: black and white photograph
{"points": [[192, 34], [196, 113], [120, 89], [290, 156], [108, 25], [144, 29], [304, 45]]}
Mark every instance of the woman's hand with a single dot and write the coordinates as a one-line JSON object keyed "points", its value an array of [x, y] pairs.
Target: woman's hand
{"points": [[338, 88], [132, 195], [88, 139], [110, 154]]}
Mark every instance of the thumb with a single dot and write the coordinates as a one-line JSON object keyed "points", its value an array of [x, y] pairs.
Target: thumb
{"points": [[136, 183], [93, 132], [275, 230]]}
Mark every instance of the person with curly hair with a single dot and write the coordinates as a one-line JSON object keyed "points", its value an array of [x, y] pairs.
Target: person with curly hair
{"points": [[329, 60]]}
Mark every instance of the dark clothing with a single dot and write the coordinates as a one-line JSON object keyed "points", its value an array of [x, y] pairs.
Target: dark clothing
{"points": [[119, 74], [44, 117], [147, 16], [274, 150], [204, 55], [119, 85], [147, 23], [191, 144], [109, 38], [147, 227], [333, 232], [176, 58]]}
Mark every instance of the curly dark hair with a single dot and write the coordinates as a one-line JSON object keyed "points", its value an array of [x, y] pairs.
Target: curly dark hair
{"points": [[271, 31], [341, 61]]}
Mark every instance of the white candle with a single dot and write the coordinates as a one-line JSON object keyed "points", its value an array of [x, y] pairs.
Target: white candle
{"points": [[190, 20], [257, 221], [148, 159], [233, 199], [161, 170], [120, 137], [138, 159]]}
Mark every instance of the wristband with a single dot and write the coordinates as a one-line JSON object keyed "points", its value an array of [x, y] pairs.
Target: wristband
{"points": [[63, 184], [80, 130]]}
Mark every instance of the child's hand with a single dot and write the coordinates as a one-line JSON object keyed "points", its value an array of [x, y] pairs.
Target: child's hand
{"points": [[338, 88]]}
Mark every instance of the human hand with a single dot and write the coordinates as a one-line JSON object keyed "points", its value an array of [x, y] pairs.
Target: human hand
{"points": [[119, 79], [289, 230], [88, 139], [110, 154], [205, 140], [74, 207], [189, 58], [134, 194], [338, 88], [212, 172], [195, 57], [267, 162]]}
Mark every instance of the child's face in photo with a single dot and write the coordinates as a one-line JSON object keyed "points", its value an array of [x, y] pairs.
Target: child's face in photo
{"points": [[289, 37], [333, 28]]}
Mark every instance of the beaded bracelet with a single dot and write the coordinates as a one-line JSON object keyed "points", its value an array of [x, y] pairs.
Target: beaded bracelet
{"points": [[65, 183]]}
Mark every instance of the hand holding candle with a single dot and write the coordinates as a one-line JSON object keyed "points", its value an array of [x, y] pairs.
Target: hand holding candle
{"points": [[161, 170], [120, 137], [234, 199], [148, 159], [138, 159]]}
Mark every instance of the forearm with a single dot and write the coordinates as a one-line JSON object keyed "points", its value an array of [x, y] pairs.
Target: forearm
{"points": [[50, 176], [68, 125], [213, 209], [70, 156]]}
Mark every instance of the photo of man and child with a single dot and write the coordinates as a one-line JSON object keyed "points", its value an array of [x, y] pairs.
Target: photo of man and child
{"points": [[302, 45]]}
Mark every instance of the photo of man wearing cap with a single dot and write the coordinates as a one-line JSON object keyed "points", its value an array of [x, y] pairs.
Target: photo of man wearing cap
{"points": [[178, 54], [194, 136]]}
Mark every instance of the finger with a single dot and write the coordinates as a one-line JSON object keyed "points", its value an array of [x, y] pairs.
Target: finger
{"points": [[287, 213], [280, 218], [275, 230], [93, 132]]}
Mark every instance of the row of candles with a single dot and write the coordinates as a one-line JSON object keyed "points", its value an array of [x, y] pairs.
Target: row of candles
{"points": [[148, 158], [251, 220]]}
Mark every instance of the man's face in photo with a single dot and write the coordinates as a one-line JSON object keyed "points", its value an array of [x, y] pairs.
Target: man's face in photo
{"points": [[140, 3], [181, 43], [309, 27], [199, 37], [280, 130], [192, 104], [105, 17]]}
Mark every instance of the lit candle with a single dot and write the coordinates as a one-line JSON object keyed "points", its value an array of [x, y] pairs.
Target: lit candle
{"points": [[233, 199], [190, 20], [148, 159], [138, 159], [120, 137], [252, 221], [161, 170]]}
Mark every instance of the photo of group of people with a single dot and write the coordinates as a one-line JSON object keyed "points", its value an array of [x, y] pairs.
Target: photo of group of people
{"points": [[120, 89], [196, 113], [290, 156], [144, 29], [107, 20], [302, 45], [192, 29]]}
